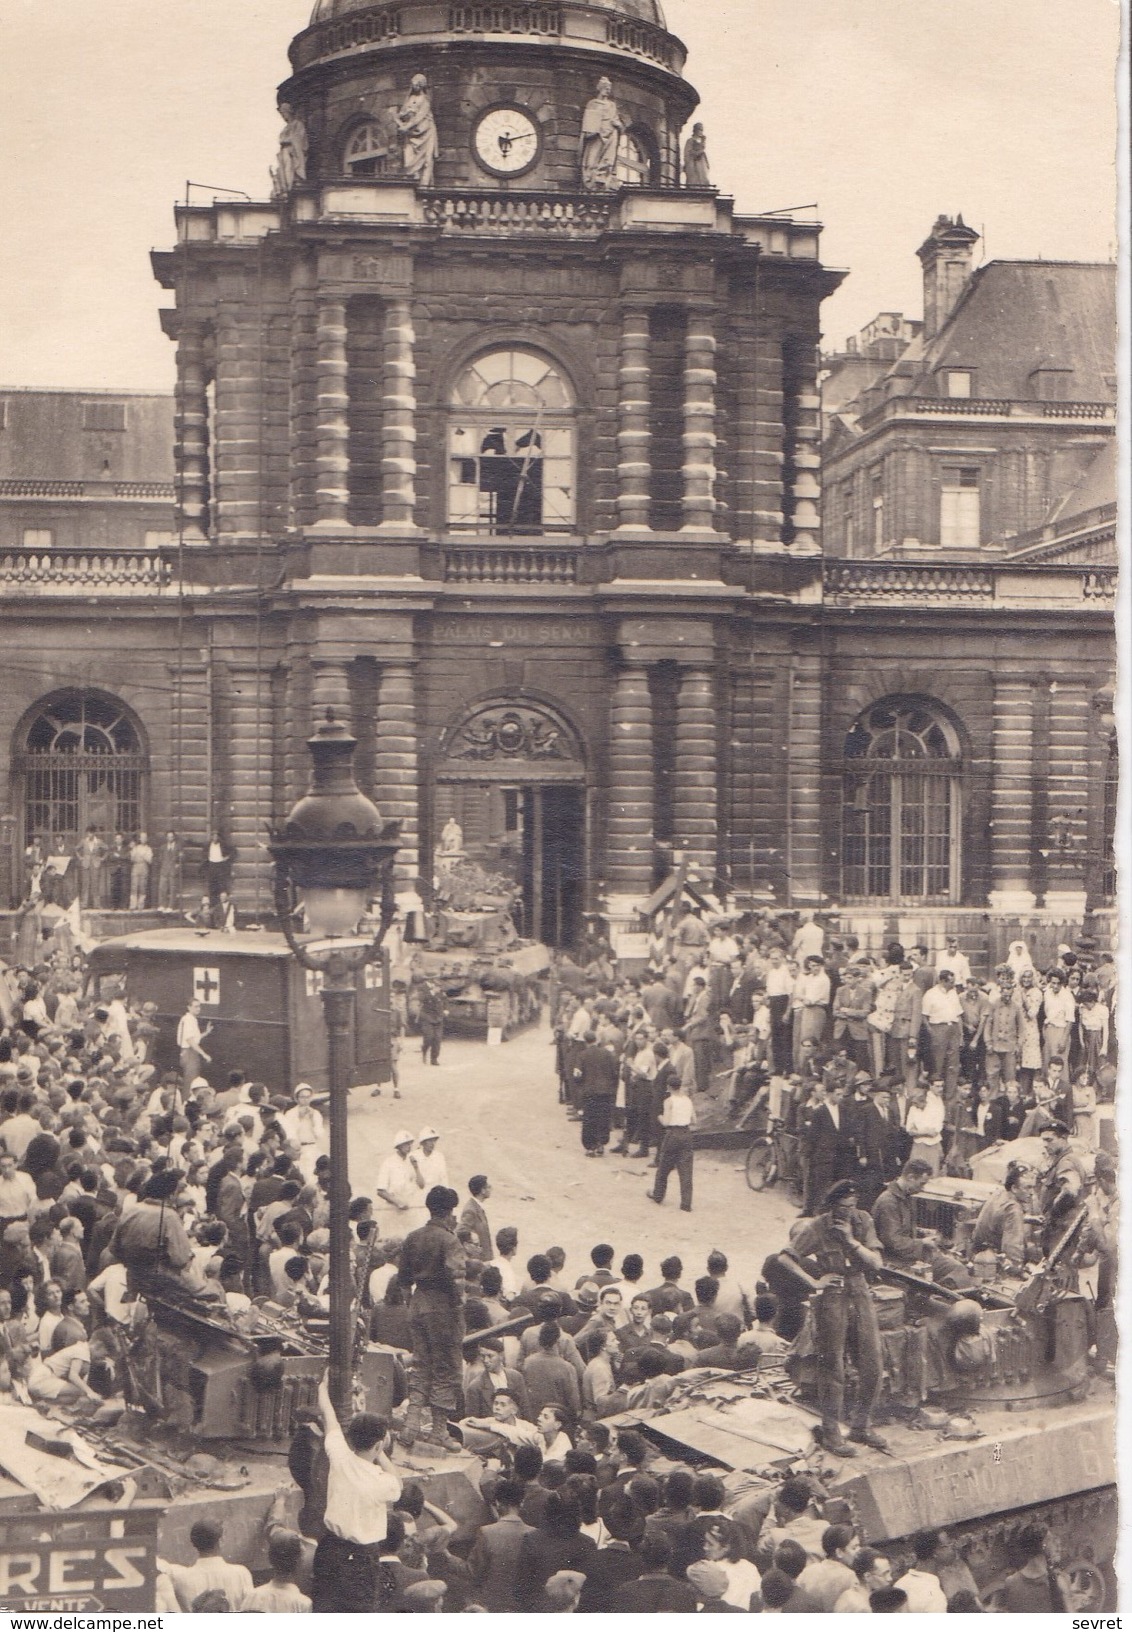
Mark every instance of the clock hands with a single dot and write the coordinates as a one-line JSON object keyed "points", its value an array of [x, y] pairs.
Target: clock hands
{"points": [[507, 141]]}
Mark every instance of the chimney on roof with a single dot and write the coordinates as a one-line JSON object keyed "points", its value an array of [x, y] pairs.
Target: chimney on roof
{"points": [[945, 256]]}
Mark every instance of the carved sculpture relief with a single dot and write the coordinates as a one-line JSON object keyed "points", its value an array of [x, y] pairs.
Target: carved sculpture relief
{"points": [[511, 732]]}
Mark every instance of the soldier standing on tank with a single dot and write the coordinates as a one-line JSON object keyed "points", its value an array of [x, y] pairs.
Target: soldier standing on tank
{"points": [[432, 1268], [840, 1248]]}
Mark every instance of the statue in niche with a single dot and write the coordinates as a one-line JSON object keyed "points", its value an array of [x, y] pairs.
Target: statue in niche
{"points": [[291, 165], [417, 130], [602, 126], [697, 171]]}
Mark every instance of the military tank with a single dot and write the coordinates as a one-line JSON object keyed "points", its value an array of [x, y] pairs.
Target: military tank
{"points": [[993, 1418], [491, 979]]}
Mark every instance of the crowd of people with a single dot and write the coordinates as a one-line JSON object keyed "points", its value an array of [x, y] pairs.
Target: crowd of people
{"points": [[864, 1060], [120, 1183]]}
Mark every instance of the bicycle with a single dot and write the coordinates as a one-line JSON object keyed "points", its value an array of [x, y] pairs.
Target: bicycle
{"points": [[775, 1155]]}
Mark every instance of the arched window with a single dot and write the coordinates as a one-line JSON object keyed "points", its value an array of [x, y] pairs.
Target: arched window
{"points": [[83, 765], [901, 805], [511, 453], [634, 163], [367, 150]]}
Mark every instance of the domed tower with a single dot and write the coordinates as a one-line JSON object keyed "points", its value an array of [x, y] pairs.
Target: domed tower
{"points": [[501, 426], [508, 83]]}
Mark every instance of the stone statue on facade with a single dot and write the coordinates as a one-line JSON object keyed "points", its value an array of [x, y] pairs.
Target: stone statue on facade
{"points": [[416, 127], [291, 165], [452, 838], [697, 171], [602, 126]]}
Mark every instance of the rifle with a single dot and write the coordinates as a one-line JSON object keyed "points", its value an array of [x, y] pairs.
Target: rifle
{"points": [[506, 1328]]}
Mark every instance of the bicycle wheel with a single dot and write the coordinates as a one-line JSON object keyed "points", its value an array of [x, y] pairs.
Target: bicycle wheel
{"points": [[761, 1169]]}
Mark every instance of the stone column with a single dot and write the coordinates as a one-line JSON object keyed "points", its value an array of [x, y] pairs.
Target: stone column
{"points": [[699, 424], [629, 839], [399, 407], [332, 461], [807, 457], [330, 688], [248, 752], [633, 436], [192, 432], [1068, 761], [396, 782], [694, 784], [804, 773], [1011, 837], [236, 499]]}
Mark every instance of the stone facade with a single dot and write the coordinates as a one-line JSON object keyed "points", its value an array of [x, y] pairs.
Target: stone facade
{"points": [[524, 482]]}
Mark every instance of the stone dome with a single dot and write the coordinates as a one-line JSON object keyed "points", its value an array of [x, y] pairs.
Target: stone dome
{"points": [[645, 11]]}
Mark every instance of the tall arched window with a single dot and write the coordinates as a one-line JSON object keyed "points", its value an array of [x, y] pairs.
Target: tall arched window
{"points": [[901, 805], [511, 449], [83, 765]]}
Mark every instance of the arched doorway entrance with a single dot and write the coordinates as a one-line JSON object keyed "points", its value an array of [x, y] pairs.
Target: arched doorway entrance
{"points": [[511, 777]]}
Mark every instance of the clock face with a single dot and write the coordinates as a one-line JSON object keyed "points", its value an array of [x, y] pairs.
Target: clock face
{"points": [[507, 141]]}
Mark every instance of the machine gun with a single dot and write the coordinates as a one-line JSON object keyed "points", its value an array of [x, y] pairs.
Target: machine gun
{"points": [[907, 1282], [1042, 1284]]}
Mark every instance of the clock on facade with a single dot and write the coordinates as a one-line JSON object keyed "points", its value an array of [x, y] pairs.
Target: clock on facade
{"points": [[507, 141]]}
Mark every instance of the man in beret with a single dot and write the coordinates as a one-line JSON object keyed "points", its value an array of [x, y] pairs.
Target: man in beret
{"points": [[151, 1241], [432, 1269], [840, 1249]]}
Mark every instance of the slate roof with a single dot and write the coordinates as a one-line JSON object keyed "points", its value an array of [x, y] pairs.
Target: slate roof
{"points": [[1018, 316]]}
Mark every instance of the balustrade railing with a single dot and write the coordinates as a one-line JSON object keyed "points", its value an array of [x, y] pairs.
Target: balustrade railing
{"points": [[84, 571], [541, 214], [496, 18], [487, 564], [897, 579]]}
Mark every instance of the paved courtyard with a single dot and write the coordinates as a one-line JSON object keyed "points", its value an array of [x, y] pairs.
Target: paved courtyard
{"points": [[497, 1112]]}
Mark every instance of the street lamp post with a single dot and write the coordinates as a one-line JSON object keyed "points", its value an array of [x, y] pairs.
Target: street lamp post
{"points": [[332, 855]]}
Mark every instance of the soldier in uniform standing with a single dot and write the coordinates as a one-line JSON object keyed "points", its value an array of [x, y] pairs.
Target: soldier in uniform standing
{"points": [[840, 1248], [432, 1269]]}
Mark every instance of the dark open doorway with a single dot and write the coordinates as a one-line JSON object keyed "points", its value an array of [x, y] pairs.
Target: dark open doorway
{"points": [[553, 863]]}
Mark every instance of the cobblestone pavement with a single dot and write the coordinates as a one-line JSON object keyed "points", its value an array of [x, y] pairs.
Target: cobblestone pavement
{"points": [[497, 1111]]}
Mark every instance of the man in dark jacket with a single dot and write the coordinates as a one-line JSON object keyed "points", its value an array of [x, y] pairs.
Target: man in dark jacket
{"points": [[432, 1267], [596, 1075], [880, 1145], [894, 1215], [654, 1591]]}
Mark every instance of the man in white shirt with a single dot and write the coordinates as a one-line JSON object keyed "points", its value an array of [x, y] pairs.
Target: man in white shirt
{"points": [[361, 1485], [810, 1003], [677, 1118], [430, 1164], [925, 1594], [1060, 1009], [18, 1200], [190, 1036], [399, 1188], [809, 938], [943, 1015], [956, 961], [210, 1572], [923, 1122]]}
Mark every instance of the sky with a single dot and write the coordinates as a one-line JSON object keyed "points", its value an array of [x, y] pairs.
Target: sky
{"points": [[882, 113]]}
